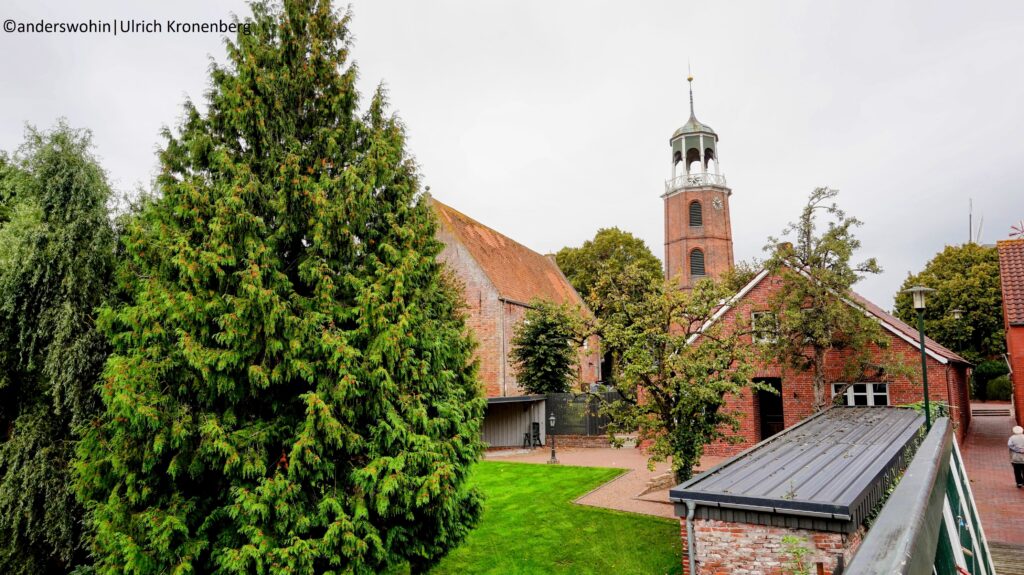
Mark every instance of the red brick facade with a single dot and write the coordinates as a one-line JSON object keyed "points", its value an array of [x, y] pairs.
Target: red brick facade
{"points": [[713, 237], [733, 547], [1011, 275], [947, 382], [499, 277], [1015, 353]]}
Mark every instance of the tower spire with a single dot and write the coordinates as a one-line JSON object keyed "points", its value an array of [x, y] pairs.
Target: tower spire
{"points": [[689, 80]]}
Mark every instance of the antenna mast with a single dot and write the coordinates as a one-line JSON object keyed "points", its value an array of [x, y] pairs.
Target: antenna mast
{"points": [[970, 219]]}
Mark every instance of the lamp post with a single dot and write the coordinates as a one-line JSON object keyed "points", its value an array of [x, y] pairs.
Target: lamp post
{"points": [[919, 292], [551, 420]]}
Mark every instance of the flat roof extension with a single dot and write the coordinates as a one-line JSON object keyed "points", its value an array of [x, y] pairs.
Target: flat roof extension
{"points": [[834, 466]]}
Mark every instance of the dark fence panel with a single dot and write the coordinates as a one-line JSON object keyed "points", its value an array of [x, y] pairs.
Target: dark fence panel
{"points": [[578, 414]]}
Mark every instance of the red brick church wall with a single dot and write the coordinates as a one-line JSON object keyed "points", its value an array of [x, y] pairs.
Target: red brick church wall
{"points": [[492, 322], [482, 307]]}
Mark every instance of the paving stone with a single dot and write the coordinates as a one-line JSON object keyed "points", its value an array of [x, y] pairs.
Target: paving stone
{"points": [[1000, 503]]}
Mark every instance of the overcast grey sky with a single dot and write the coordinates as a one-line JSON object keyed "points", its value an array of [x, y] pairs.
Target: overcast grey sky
{"points": [[547, 120]]}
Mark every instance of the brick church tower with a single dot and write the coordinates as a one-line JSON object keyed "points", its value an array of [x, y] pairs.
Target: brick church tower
{"points": [[698, 234]]}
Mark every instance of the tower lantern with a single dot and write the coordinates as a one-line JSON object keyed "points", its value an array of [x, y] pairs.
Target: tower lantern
{"points": [[698, 233], [694, 148]]}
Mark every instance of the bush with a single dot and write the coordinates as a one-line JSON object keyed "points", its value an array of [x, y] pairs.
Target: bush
{"points": [[938, 408], [999, 388], [983, 374]]}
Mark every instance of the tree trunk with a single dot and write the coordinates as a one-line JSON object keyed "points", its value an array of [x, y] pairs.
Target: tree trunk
{"points": [[819, 379]]}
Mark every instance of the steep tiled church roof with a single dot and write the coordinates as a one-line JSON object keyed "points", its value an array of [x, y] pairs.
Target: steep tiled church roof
{"points": [[1011, 274], [519, 273]]}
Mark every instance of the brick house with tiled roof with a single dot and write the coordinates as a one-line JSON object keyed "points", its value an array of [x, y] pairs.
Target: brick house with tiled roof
{"points": [[499, 278], [763, 414], [1011, 276]]}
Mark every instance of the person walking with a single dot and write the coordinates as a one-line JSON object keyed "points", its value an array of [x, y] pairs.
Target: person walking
{"points": [[1016, 445]]}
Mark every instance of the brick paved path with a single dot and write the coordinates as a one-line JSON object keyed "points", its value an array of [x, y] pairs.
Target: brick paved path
{"points": [[1000, 503]]}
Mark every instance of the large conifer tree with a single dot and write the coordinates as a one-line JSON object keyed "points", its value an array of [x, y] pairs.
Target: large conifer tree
{"points": [[56, 263], [292, 389]]}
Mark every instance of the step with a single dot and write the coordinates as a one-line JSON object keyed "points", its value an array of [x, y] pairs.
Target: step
{"points": [[991, 411], [1008, 559]]}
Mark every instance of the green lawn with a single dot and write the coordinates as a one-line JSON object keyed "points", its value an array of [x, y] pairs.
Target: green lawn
{"points": [[530, 525]]}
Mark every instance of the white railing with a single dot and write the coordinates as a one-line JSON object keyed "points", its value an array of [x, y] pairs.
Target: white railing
{"points": [[694, 181]]}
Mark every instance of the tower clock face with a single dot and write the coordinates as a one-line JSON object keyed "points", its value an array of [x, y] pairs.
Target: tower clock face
{"points": [[717, 203]]}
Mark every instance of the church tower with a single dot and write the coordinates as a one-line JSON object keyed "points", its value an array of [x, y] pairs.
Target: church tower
{"points": [[698, 234]]}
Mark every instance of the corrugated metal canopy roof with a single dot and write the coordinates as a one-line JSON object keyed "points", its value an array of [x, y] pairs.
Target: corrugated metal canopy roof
{"points": [[515, 399], [831, 465]]}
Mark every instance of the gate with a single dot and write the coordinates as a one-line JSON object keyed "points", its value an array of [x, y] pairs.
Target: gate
{"points": [[579, 414]]}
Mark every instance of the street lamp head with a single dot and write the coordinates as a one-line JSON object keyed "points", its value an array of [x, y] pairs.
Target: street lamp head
{"points": [[918, 292], [957, 313], [551, 420]]}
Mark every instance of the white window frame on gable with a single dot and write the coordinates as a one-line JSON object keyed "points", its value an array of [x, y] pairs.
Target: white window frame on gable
{"points": [[763, 334], [868, 393]]}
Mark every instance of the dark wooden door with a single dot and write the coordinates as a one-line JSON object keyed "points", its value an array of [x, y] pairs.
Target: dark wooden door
{"points": [[770, 408]]}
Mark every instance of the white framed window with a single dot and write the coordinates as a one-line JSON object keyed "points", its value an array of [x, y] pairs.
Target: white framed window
{"points": [[763, 326], [864, 393]]}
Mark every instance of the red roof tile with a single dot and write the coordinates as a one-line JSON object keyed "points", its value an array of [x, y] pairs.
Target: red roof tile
{"points": [[907, 330], [519, 273], [1011, 275], [889, 321]]}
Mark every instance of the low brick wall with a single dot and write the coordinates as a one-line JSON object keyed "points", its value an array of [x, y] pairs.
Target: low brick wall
{"points": [[579, 441], [748, 549]]}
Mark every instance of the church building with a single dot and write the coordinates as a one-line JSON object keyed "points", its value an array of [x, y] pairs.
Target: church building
{"points": [[699, 244], [499, 278]]}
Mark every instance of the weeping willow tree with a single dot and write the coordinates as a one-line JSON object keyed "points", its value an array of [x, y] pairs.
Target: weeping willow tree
{"points": [[291, 388], [57, 250]]}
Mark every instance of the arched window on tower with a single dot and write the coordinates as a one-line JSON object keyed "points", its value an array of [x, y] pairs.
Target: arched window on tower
{"points": [[711, 166], [678, 165], [697, 262], [693, 157], [696, 214]]}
